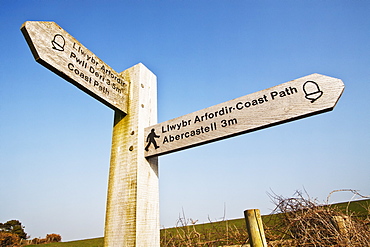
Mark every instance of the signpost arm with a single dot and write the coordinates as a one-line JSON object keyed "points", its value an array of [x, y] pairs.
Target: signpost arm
{"points": [[132, 217]]}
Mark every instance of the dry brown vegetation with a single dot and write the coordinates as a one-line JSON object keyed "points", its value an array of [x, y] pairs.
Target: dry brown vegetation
{"points": [[296, 221], [220, 233], [8, 239], [301, 221]]}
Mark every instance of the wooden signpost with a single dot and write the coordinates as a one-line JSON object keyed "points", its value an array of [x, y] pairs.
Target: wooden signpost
{"points": [[132, 217], [289, 101]]}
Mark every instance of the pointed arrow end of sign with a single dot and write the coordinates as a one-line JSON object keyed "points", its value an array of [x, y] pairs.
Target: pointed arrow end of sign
{"points": [[27, 36]]}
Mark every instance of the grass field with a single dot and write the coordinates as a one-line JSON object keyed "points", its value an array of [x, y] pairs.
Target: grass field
{"points": [[357, 208], [94, 242]]}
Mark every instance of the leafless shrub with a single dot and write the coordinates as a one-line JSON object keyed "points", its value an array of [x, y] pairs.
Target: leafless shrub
{"points": [[302, 221], [187, 233], [296, 221]]}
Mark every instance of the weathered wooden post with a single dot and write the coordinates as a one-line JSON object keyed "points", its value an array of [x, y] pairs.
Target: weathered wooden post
{"points": [[341, 223], [132, 217], [255, 228]]}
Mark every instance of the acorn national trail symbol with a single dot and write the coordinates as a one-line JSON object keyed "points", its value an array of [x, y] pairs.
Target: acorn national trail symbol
{"points": [[312, 91], [132, 214], [58, 42]]}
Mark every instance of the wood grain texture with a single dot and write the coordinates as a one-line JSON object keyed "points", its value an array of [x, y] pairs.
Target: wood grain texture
{"points": [[58, 51], [254, 226], [286, 102], [132, 217]]}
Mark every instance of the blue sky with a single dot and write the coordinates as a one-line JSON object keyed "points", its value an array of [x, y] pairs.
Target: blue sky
{"points": [[55, 139]]}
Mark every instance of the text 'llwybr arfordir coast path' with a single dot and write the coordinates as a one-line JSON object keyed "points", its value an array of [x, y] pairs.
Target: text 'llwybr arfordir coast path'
{"points": [[308, 95]]}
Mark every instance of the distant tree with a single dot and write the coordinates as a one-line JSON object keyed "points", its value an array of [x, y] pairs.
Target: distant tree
{"points": [[15, 227]]}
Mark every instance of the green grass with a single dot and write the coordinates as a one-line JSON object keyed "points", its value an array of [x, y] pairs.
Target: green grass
{"points": [[94, 242], [357, 208]]}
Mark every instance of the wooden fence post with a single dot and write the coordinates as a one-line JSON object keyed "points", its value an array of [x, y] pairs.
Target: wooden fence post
{"points": [[255, 228], [341, 224]]}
